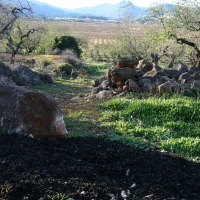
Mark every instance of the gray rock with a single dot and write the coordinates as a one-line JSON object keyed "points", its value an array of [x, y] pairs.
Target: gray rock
{"points": [[172, 73], [142, 81], [184, 76], [103, 94], [24, 76], [132, 86], [149, 87], [104, 84], [95, 90], [101, 79], [182, 68], [144, 66], [196, 75], [189, 92], [29, 112], [196, 85], [171, 87], [46, 78], [5, 70], [163, 79], [165, 88], [153, 75]]}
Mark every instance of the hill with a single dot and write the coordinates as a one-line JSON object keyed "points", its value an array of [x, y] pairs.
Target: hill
{"points": [[44, 9], [111, 11]]}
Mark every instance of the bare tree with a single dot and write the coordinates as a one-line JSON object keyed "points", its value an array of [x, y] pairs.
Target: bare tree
{"points": [[17, 27], [133, 44], [10, 12], [20, 37], [182, 25]]}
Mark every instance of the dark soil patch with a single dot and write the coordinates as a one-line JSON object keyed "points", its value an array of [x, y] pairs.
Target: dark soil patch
{"points": [[92, 168]]}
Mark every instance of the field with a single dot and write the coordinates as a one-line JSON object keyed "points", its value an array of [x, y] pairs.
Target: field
{"points": [[100, 41], [135, 147], [102, 38]]}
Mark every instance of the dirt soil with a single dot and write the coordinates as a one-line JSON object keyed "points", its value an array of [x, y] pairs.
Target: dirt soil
{"points": [[92, 168]]}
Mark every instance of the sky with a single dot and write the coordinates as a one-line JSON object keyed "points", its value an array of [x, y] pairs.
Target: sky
{"points": [[70, 4]]}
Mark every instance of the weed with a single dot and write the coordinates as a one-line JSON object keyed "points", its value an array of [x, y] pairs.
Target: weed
{"points": [[58, 196], [2, 132], [98, 69], [170, 124]]}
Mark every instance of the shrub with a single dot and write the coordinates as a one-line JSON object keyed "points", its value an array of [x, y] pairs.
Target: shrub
{"points": [[44, 63], [66, 42], [64, 69]]}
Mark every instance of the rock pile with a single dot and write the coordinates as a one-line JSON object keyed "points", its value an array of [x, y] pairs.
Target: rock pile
{"points": [[24, 76], [130, 75]]}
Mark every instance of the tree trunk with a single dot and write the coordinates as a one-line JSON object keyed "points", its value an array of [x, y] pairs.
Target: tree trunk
{"points": [[197, 62], [12, 59]]}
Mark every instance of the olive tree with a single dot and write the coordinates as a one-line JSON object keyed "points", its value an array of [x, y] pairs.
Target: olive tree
{"points": [[17, 27], [132, 39], [182, 25], [25, 35], [10, 12]]}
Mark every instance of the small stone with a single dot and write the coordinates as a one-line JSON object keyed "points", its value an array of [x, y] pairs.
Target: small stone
{"points": [[83, 193], [148, 197]]}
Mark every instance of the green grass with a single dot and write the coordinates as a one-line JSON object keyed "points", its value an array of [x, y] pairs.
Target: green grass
{"points": [[64, 87], [58, 196], [99, 69], [170, 124], [2, 132]]}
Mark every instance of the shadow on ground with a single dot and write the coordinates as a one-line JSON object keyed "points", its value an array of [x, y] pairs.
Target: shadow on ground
{"points": [[92, 168]]}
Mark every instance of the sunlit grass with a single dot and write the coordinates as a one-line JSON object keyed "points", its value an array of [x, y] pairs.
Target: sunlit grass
{"points": [[170, 124]]}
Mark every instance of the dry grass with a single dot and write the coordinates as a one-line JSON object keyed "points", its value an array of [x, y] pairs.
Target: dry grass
{"points": [[93, 31]]}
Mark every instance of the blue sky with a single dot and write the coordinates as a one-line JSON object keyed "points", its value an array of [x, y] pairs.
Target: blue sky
{"points": [[83, 3]]}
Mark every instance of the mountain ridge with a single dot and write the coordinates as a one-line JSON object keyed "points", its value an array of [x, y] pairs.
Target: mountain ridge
{"points": [[106, 10]]}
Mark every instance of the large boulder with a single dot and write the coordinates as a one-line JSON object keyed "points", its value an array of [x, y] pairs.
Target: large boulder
{"points": [[24, 76], [26, 111]]}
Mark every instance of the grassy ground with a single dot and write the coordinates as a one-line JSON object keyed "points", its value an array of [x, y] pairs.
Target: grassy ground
{"points": [[81, 115], [170, 124]]}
